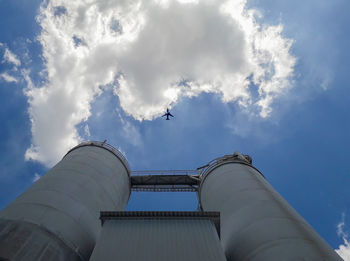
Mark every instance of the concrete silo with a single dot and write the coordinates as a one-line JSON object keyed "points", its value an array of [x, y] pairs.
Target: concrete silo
{"points": [[57, 218], [75, 212], [257, 224]]}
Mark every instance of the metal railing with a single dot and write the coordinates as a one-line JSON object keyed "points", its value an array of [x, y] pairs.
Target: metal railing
{"points": [[169, 180], [234, 157], [164, 188], [108, 147], [165, 180], [164, 172]]}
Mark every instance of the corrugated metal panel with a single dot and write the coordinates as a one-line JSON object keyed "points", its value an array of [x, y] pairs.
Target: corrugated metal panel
{"points": [[158, 239], [213, 216], [257, 224]]}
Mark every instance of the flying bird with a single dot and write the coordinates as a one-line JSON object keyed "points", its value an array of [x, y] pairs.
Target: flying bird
{"points": [[167, 114]]}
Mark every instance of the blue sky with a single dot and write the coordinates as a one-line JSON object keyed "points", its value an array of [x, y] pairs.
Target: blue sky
{"points": [[301, 146]]}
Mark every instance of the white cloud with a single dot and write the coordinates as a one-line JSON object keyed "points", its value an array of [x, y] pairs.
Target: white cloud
{"points": [[36, 177], [10, 57], [155, 52], [87, 130], [129, 131], [326, 81], [344, 249], [8, 78]]}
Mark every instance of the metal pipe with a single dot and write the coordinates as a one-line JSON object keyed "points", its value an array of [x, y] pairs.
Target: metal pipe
{"points": [[257, 224]]}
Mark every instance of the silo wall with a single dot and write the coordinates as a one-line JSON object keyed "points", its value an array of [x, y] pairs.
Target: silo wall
{"points": [[59, 214], [257, 224]]}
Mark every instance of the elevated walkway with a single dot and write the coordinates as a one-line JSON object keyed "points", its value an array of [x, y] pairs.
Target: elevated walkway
{"points": [[181, 180], [165, 180]]}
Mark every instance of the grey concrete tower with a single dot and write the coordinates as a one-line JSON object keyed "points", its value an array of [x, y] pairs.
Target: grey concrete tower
{"points": [[257, 224], [57, 218]]}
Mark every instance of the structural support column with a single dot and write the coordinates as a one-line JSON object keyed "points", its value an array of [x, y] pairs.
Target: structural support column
{"points": [[57, 218], [257, 224]]}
